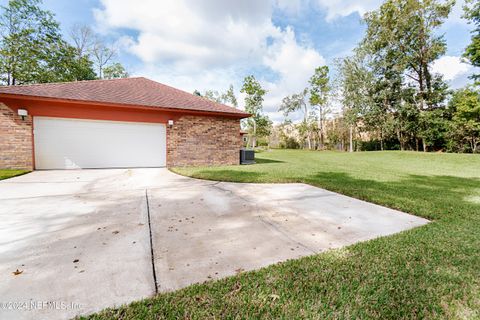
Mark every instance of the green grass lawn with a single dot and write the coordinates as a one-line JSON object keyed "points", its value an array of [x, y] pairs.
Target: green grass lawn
{"points": [[7, 173], [428, 272]]}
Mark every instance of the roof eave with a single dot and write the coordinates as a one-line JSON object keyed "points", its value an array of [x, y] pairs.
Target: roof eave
{"points": [[239, 115]]}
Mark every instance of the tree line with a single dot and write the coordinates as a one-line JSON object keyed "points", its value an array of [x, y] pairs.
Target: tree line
{"points": [[389, 96], [33, 49], [389, 90]]}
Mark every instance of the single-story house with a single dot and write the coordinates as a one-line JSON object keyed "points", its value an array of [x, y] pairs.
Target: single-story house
{"points": [[133, 122], [244, 135]]}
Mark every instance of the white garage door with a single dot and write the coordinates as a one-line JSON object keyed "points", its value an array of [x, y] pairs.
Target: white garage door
{"points": [[72, 144]]}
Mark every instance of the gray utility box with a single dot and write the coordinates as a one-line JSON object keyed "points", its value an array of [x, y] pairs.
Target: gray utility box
{"points": [[247, 156]]}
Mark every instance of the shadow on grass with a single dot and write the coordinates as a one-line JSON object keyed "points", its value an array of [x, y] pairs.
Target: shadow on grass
{"points": [[229, 175], [262, 161], [432, 197]]}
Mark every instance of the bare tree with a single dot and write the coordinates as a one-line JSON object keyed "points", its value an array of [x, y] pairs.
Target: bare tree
{"points": [[89, 44], [83, 38], [102, 54]]}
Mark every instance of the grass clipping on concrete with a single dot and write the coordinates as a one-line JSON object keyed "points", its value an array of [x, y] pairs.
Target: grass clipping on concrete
{"points": [[428, 272]]}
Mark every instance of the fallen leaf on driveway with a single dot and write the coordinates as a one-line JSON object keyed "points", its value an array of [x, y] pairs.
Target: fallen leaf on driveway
{"points": [[115, 232], [17, 272], [75, 261]]}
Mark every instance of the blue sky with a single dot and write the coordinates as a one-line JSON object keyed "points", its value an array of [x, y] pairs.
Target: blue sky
{"points": [[210, 44]]}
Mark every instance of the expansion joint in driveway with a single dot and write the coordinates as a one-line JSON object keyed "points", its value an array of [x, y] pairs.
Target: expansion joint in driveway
{"points": [[151, 243]]}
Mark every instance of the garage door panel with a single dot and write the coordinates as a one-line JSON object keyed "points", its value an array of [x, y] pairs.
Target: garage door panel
{"points": [[73, 143]]}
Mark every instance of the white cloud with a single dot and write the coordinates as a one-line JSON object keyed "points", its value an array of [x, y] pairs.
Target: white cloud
{"points": [[208, 44], [450, 67], [343, 8], [198, 79], [291, 6], [294, 64], [192, 33]]}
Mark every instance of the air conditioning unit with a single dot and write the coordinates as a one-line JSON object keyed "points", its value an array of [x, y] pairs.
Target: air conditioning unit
{"points": [[247, 156]]}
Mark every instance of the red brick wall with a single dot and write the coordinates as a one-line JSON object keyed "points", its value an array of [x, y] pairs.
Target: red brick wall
{"points": [[15, 140], [203, 141]]}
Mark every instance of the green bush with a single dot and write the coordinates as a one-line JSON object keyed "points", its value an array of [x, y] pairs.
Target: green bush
{"points": [[289, 143]]}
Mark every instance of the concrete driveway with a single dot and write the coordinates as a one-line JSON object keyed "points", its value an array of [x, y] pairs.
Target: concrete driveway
{"points": [[90, 239]]}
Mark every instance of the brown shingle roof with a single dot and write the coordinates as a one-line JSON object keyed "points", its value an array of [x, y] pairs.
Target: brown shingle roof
{"points": [[130, 91]]}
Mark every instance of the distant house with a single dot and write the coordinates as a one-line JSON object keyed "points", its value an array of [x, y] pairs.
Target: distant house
{"points": [[244, 135]]}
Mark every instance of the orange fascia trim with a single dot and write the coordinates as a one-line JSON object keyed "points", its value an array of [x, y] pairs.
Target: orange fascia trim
{"points": [[26, 98], [92, 112]]}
